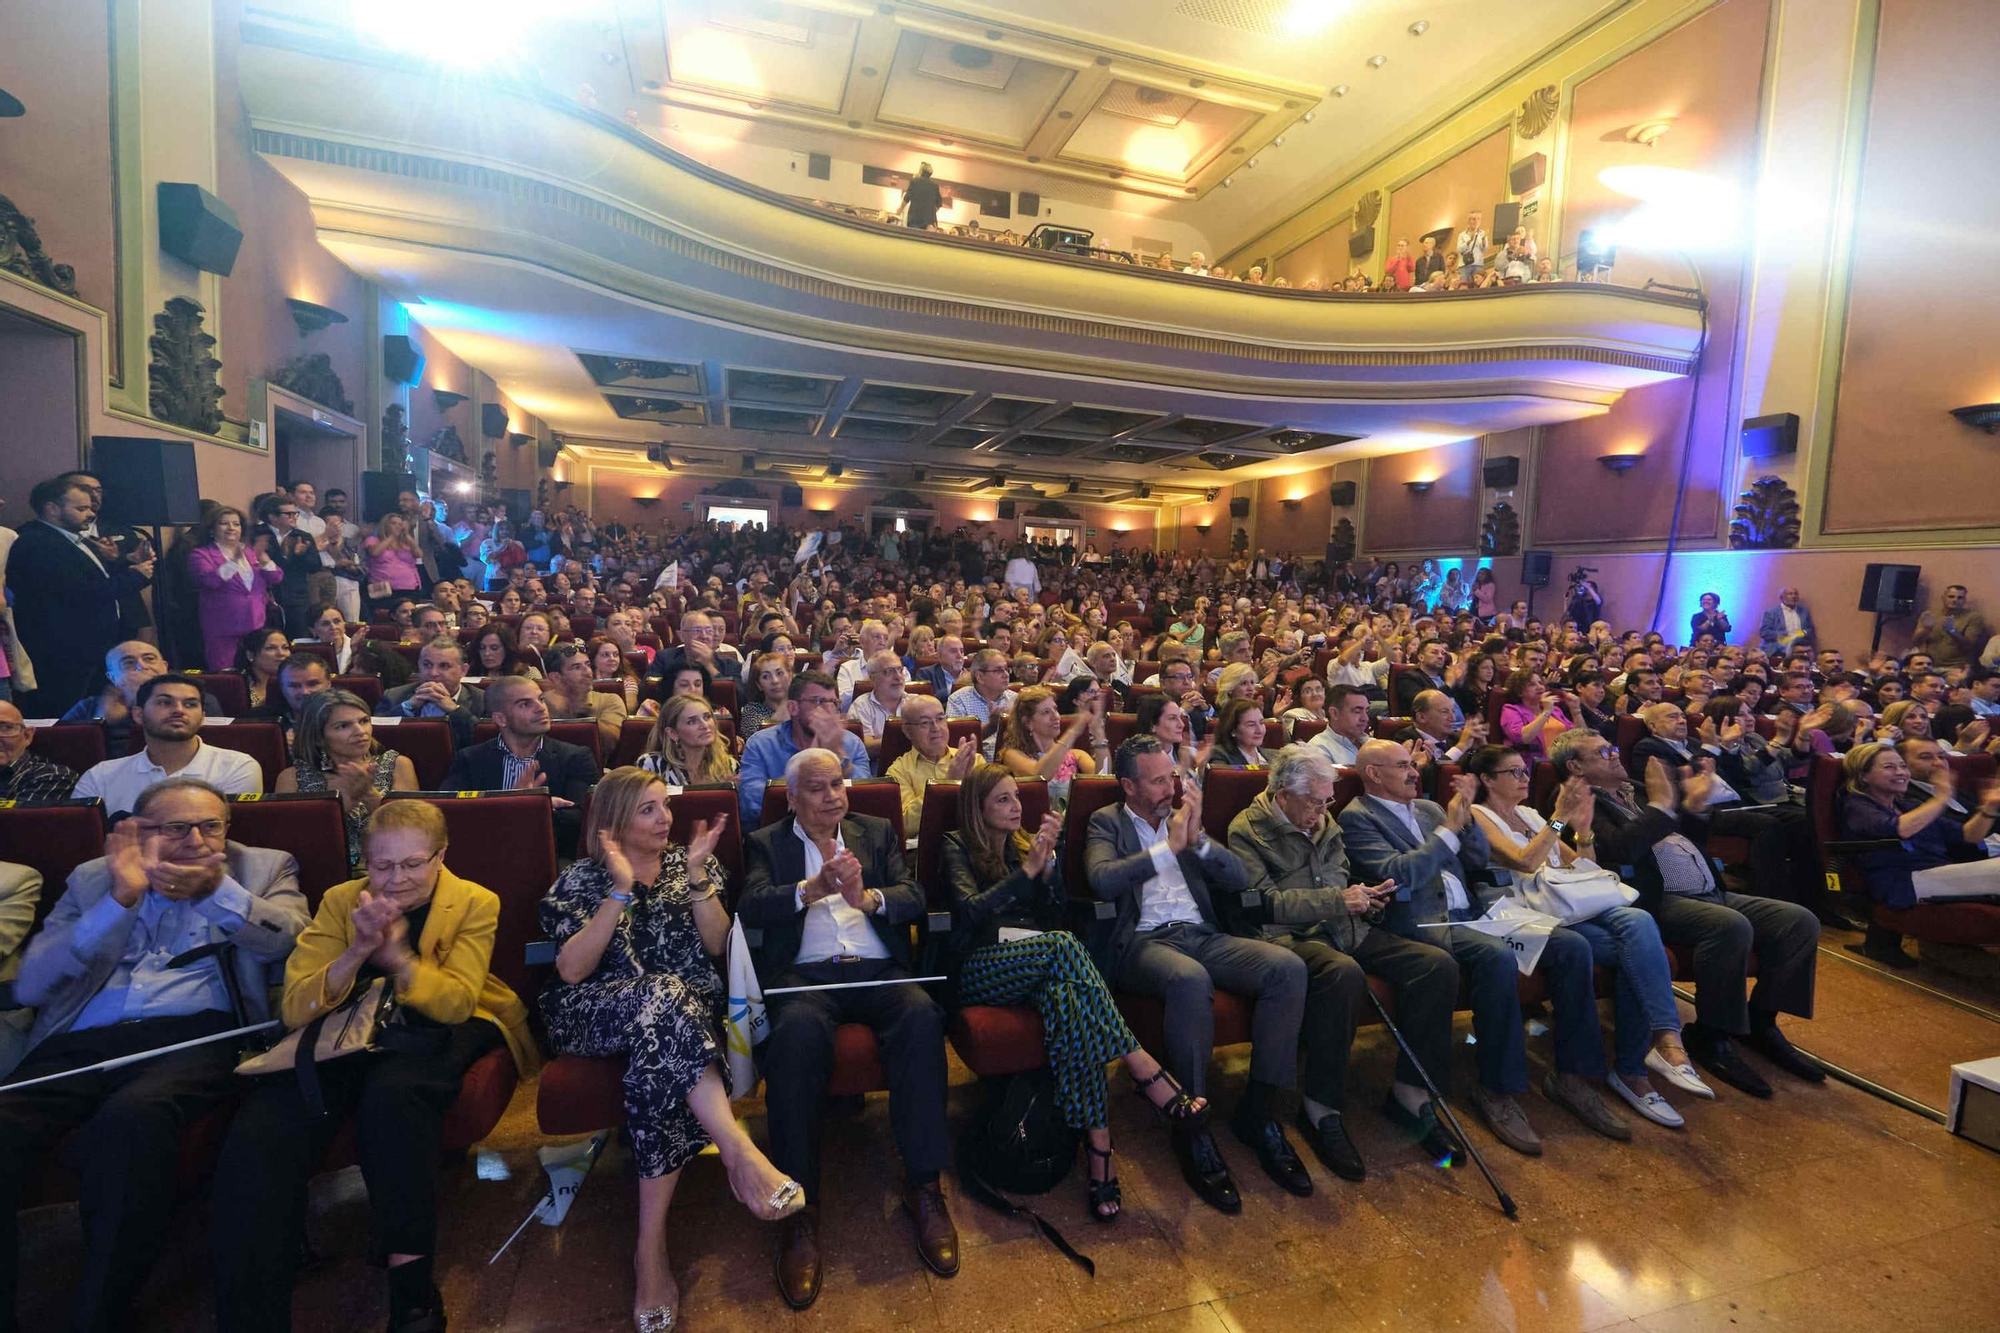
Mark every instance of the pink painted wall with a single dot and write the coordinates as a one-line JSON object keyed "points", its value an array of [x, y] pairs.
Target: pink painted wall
{"points": [[1323, 257], [1474, 178], [1917, 348], [442, 370], [1444, 518], [38, 429], [1706, 75], [1301, 530]]}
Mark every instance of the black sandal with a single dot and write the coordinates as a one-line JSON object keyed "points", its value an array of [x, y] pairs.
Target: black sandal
{"points": [[1103, 1192], [1180, 1108]]}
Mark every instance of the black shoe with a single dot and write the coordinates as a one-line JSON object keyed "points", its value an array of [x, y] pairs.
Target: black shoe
{"points": [[1203, 1168], [1717, 1054], [1329, 1139], [1774, 1046], [420, 1317], [1432, 1137], [1884, 947], [1275, 1154]]}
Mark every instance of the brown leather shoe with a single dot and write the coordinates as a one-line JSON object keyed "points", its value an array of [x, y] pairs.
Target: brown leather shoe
{"points": [[937, 1238], [798, 1258]]}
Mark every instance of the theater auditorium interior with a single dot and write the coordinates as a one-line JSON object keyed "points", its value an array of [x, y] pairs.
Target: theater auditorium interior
{"points": [[1175, 665]]}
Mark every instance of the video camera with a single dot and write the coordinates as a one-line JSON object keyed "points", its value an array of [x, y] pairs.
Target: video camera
{"points": [[1580, 573]]}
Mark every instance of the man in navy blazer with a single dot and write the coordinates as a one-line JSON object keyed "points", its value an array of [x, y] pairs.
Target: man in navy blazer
{"points": [[1437, 856], [66, 594], [834, 899], [523, 757], [1786, 625]]}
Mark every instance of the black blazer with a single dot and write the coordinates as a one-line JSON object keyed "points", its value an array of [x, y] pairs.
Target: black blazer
{"points": [[66, 611], [1625, 845], [774, 861], [979, 907], [461, 720], [570, 770]]}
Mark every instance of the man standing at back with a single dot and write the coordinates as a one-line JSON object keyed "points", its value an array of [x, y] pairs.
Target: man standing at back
{"points": [[66, 595]]}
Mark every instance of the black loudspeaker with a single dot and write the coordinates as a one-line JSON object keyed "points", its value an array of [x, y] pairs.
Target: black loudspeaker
{"points": [[791, 497], [1006, 509], [1768, 437], [1361, 244], [1503, 472], [1535, 568], [198, 227], [147, 483], [378, 492], [1890, 590], [1028, 203], [1343, 492], [819, 166], [546, 455], [402, 360], [1506, 217], [1528, 174], [492, 420], [1240, 507]]}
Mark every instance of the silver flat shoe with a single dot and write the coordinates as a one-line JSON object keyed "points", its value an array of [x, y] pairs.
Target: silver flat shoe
{"points": [[785, 1200], [656, 1320]]}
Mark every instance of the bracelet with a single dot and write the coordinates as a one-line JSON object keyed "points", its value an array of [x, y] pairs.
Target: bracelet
{"points": [[618, 897], [701, 898]]}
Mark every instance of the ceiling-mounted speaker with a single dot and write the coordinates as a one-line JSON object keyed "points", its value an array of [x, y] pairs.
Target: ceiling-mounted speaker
{"points": [[197, 227], [791, 497], [1768, 437], [1343, 492], [1006, 509], [492, 420], [402, 360], [1503, 472], [819, 166], [1029, 203], [1361, 244], [1528, 174], [1506, 217], [1240, 507]]}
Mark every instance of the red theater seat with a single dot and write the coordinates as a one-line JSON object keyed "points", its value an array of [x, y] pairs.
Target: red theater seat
{"points": [[262, 741], [880, 797], [309, 825], [631, 742], [54, 839], [368, 689], [425, 742], [227, 687], [74, 745]]}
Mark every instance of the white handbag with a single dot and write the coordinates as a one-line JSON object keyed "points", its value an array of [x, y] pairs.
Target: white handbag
{"points": [[1575, 892]]}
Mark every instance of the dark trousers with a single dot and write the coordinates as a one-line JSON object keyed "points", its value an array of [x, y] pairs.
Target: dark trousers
{"points": [[1494, 979], [798, 1064], [398, 1102], [1723, 929], [1784, 856], [1183, 963], [1425, 979], [126, 1151]]}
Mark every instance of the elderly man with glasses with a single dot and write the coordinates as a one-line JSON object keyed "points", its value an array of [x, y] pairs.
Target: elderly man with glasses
{"points": [[931, 756]]}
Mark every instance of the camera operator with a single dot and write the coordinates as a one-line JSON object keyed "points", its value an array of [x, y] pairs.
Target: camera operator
{"points": [[1586, 603]]}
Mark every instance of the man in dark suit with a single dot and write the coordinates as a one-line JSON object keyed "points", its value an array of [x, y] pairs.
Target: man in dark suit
{"points": [[834, 899], [524, 758], [439, 691], [1428, 673], [1149, 856], [66, 595]]}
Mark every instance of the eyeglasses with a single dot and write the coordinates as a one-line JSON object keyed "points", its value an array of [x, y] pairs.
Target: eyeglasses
{"points": [[177, 829], [1508, 773], [411, 866], [11, 729]]}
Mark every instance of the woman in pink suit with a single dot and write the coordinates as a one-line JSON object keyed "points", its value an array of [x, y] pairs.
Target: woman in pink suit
{"points": [[232, 579]]}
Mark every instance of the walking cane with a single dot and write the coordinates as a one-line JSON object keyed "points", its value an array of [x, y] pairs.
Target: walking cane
{"points": [[1437, 1100]]}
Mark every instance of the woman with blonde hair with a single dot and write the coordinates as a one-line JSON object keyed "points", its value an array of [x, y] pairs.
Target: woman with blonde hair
{"points": [[640, 924], [1034, 743], [686, 746]]}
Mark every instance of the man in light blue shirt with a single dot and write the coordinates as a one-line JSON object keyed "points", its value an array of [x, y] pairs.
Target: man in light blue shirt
{"points": [[813, 720]]}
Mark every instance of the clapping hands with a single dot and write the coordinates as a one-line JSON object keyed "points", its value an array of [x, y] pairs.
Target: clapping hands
{"points": [[1041, 852]]}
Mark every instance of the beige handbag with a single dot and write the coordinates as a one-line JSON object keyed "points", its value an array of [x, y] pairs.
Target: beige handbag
{"points": [[348, 1029]]}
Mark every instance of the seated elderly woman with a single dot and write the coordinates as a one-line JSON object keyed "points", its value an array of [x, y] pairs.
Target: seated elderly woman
{"points": [[1034, 743], [1008, 947], [1940, 836], [429, 935], [1648, 1023], [640, 925], [686, 746]]}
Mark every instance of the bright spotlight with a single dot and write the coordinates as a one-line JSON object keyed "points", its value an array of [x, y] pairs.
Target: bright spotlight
{"points": [[463, 488], [1678, 210], [1303, 17], [462, 33]]}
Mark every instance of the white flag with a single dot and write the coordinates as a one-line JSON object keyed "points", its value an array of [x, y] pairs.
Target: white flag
{"points": [[670, 577], [567, 1165], [808, 546], [1522, 929], [747, 1023]]}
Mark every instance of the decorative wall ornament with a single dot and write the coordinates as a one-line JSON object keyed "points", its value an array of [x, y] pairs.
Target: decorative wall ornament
{"points": [[901, 500], [1538, 112], [446, 442], [1500, 531], [21, 252], [183, 388], [1052, 509], [1342, 543], [395, 439], [1767, 516], [489, 470], [1366, 209], [314, 377]]}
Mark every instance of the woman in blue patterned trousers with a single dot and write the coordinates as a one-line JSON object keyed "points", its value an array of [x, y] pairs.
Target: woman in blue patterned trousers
{"points": [[1008, 947]]}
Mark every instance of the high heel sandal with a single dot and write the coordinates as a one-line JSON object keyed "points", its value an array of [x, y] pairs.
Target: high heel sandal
{"points": [[659, 1319], [1179, 1108], [1103, 1193]]}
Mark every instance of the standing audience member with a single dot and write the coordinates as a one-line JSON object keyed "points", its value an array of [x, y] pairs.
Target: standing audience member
{"points": [[233, 579], [65, 594], [1954, 634], [1785, 626]]}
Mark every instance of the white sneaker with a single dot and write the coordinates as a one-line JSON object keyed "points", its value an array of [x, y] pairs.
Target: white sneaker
{"points": [[1678, 1076], [1653, 1106]]}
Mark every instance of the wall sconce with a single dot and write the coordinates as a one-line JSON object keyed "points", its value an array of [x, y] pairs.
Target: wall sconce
{"points": [[1292, 503], [1204, 528], [1620, 463], [1985, 416], [446, 399], [312, 318], [645, 501], [517, 439], [824, 513], [1418, 487]]}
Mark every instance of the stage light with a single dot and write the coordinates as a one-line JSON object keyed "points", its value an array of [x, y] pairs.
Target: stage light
{"points": [[462, 33], [1688, 211]]}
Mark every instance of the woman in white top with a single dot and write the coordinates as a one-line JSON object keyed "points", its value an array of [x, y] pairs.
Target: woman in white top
{"points": [[1021, 572], [1648, 1031]]}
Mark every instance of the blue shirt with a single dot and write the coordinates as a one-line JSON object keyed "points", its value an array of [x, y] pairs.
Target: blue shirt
{"points": [[157, 929], [765, 756]]}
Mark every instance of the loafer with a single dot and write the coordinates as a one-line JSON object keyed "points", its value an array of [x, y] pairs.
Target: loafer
{"points": [[1437, 1143], [1276, 1155], [1718, 1055], [937, 1237], [1678, 1076], [1889, 953], [1653, 1106], [1336, 1151], [1574, 1094], [1509, 1123], [1203, 1168], [1774, 1046], [798, 1258]]}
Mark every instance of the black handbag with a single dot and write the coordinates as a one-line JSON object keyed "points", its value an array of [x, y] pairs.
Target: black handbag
{"points": [[1020, 1142]]}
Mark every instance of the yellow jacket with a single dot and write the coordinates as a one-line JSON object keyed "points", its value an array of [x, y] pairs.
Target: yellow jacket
{"points": [[453, 981]]}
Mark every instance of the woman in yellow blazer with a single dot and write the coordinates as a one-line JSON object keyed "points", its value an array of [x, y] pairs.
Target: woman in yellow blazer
{"points": [[431, 935]]}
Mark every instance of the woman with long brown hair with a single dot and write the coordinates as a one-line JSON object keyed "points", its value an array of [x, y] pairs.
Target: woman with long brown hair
{"points": [[686, 746]]}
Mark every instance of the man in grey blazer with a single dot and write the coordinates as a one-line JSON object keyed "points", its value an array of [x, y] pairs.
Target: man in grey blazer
{"points": [[102, 974], [1149, 856], [1786, 625], [1437, 856]]}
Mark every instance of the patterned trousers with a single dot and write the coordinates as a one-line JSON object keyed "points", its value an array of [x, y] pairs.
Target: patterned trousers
{"points": [[1082, 1029]]}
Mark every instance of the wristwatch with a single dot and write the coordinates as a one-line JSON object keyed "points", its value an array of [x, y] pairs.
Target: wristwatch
{"points": [[1558, 826]]}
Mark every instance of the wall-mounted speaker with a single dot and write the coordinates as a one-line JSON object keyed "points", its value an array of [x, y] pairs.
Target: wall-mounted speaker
{"points": [[1769, 437], [1240, 507], [402, 359], [1503, 472], [546, 455], [147, 483], [1535, 566], [1890, 590], [1506, 217], [1361, 244], [1006, 509], [197, 227], [1528, 174], [492, 420], [791, 497], [819, 166], [1343, 492], [378, 492], [1029, 203]]}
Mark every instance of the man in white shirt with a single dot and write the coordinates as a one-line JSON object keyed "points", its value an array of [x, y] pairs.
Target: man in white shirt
{"points": [[170, 714], [322, 585], [874, 638], [884, 698], [1346, 725]]}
